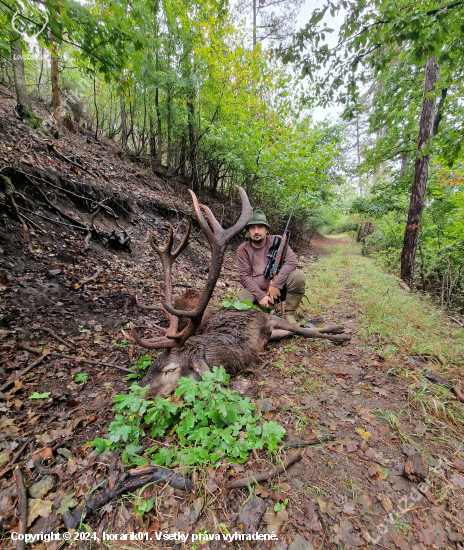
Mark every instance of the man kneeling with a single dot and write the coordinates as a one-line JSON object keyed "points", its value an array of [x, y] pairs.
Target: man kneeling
{"points": [[251, 261]]}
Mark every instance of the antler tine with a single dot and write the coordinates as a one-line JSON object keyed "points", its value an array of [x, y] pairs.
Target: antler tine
{"points": [[201, 220], [183, 245], [168, 246], [217, 229], [247, 211], [218, 241], [153, 343]]}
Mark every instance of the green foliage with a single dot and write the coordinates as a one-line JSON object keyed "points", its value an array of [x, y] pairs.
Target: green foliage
{"points": [[344, 227], [279, 505], [81, 377], [142, 365], [37, 395], [210, 421]]}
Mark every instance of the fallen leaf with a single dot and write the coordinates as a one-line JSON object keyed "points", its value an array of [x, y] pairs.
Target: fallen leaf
{"points": [[38, 507], [423, 534], [366, 502], [251, 513], [399, 541], [348, 534], [44, 453], [458, 480], [349, 508], [67, 502], [386, 502], [310, 511]]}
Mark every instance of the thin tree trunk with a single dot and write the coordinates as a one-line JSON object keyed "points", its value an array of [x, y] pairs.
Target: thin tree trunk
{"points": [[123, 123], [194, 160], [158, 123], [139, 151], [254, 23], [54, 80], [168, 122], [404, 163], [153, 157], [42, 50], [96, 106], [421, 169], [439, 113], [131, 113], [24, 106]]}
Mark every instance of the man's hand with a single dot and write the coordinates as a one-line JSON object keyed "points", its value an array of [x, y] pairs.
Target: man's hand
{"points": [[273, 292], [267, 301]]}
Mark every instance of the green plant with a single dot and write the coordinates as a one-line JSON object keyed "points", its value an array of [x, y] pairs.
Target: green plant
{"points": [[37, 395], [141, 505], [210, 422], [279, 505], [142, 364], [81, 377], [122, 344], [83, 330]]}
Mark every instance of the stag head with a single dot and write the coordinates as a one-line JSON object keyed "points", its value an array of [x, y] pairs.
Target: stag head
{"points": [[173, 362]]}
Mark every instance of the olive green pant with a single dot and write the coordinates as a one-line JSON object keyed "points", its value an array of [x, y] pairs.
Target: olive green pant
{"points": [[295, 284]]}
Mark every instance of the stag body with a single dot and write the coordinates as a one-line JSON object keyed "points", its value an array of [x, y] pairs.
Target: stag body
{"points": [[198, 339]]}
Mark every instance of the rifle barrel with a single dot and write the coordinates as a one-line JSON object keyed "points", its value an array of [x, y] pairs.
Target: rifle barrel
{"points": [[291, 213]]}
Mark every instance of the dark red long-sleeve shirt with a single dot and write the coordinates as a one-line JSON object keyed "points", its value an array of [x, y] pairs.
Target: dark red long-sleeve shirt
{"points": [[251, 262]]}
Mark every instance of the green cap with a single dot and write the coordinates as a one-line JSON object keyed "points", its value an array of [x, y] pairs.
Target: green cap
{"points": [[258, 218]]}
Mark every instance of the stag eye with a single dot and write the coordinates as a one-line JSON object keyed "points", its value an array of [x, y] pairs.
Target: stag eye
{"points": [[170, 368]]}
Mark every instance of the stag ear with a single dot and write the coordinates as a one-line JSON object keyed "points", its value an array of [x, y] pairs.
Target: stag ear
{"points": [[199, 366]]}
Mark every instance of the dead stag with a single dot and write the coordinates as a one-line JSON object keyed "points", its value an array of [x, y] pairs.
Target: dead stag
{"points": [[198, 339]]}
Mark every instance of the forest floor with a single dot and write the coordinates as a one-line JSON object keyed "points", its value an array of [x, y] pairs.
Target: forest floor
{"points": [[393, 472]]}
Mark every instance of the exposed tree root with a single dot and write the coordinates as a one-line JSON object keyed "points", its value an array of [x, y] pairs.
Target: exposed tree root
{"points": [[118, 484]]}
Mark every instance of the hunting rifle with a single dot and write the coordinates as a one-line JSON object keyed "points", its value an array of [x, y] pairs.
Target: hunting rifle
{"points": [[277, 251]]}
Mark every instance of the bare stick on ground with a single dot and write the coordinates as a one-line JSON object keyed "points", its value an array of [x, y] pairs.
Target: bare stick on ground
{"points": [[309, 443], [22, 373], [38, 351], [58, 338], [22, 507], [263, 476]]}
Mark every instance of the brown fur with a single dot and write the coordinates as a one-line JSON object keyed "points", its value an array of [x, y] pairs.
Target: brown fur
{"points": [[231, 339]]}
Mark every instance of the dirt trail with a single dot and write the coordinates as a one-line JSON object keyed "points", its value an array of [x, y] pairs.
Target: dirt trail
{"points": [[358, 481]]}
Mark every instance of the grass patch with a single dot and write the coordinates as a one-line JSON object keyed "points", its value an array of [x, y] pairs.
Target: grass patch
{"points": [[399, 323]]}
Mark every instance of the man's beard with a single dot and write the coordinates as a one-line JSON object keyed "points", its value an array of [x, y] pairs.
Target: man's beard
{"points": [[257, 239]]}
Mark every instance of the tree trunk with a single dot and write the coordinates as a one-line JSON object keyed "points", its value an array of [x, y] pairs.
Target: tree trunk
{"points": [[123, 123], [54, 79], [97, 121], [153, 157], [168, 122], [194, 160], [158, 122], [439, 114], [404, 163], [421, 169], [24, 106], [254, 23]]}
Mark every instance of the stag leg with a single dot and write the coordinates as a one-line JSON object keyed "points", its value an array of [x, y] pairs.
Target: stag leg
{"points": [[281, 329], [281, 334]]}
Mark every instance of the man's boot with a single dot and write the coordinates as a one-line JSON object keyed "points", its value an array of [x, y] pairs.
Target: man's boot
{"points": [[292, 303]]}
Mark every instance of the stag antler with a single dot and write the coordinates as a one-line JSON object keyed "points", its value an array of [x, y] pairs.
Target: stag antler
{"points": [[218, 239]]}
